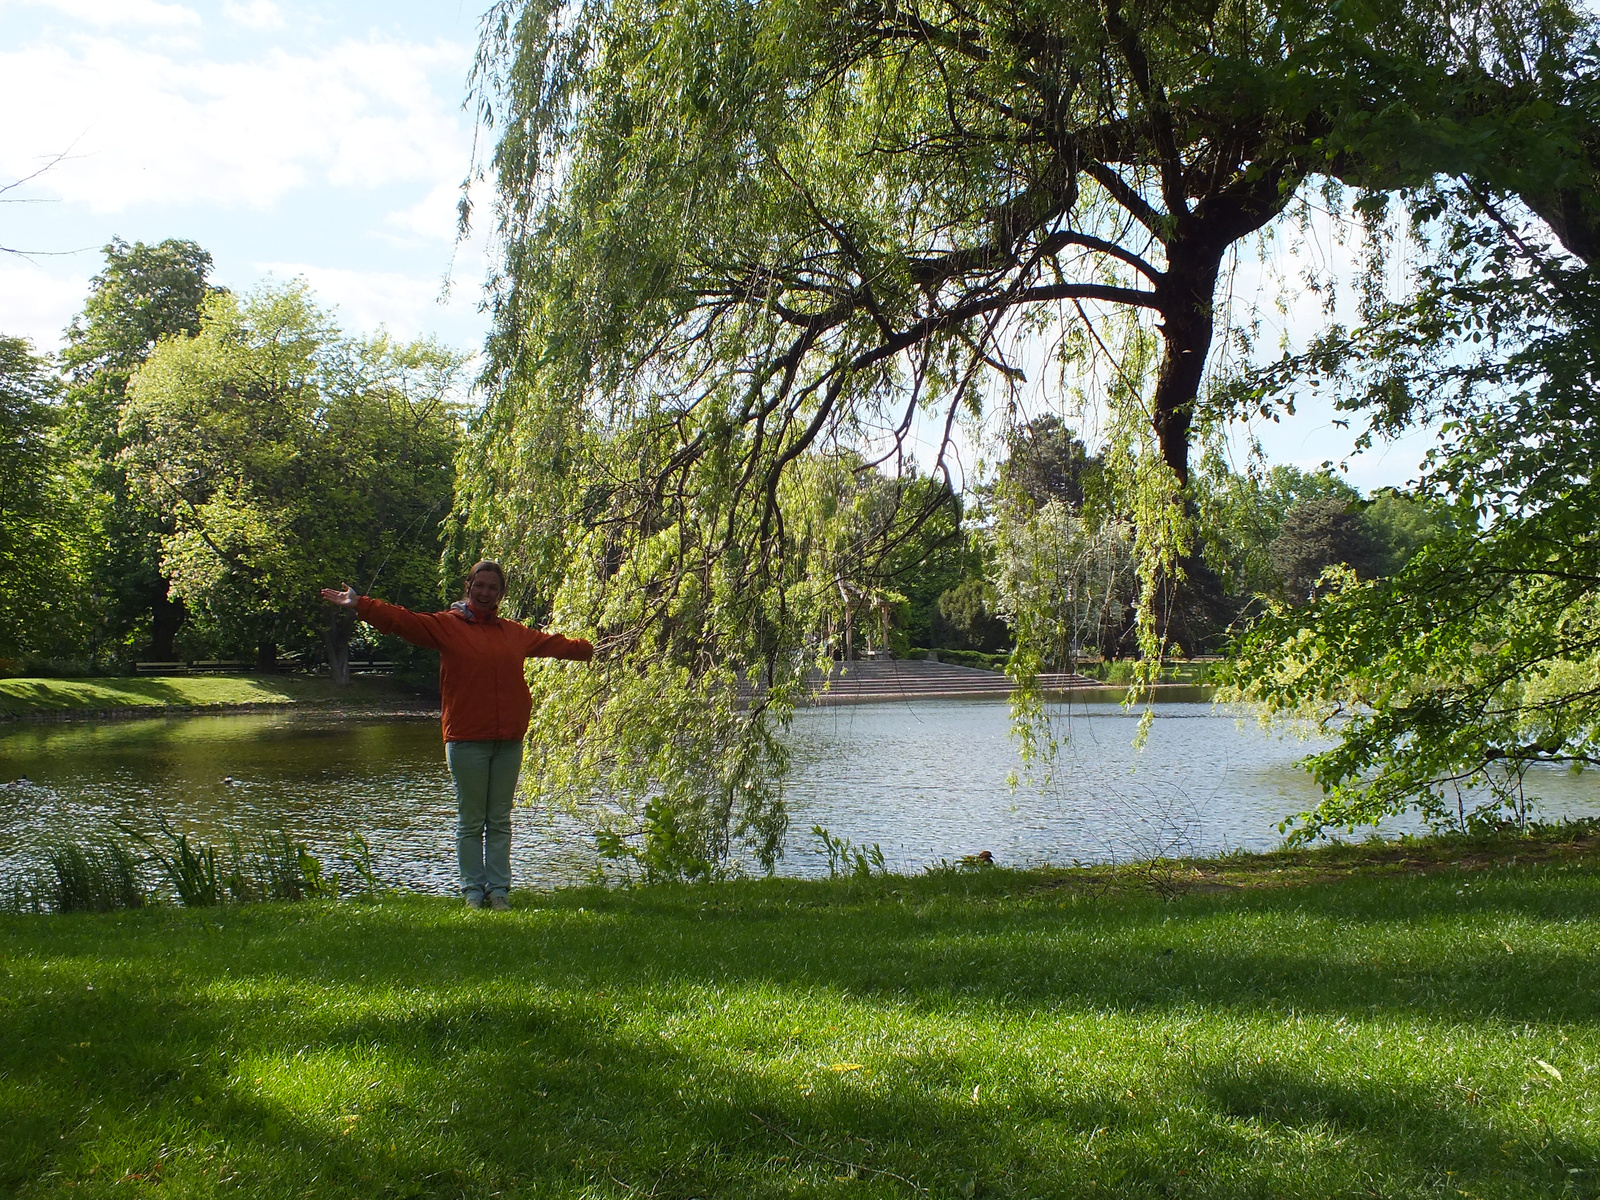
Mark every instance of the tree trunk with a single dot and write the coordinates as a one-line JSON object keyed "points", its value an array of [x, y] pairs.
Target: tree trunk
{"points": [[1571, 218], [267, 656], [1187, 295], [166, 615], [336, 637]]}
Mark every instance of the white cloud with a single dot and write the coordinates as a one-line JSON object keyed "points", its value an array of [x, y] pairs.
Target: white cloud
{"points": [[254, 14], [408, 306], [435, 217], [151, 127], [102, 13], [37, 303]]}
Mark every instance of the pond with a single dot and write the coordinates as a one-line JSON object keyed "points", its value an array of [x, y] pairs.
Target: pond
{"points": [[926, 780]]}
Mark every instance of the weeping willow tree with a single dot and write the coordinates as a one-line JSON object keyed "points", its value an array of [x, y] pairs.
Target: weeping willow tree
{"points": [[744, 241]]}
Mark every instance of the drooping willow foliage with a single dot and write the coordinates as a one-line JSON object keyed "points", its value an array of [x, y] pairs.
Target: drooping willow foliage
{"points": [[751, 250]]}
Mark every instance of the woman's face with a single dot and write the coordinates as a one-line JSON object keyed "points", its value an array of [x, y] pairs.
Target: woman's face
{"points": [[484, 591]]}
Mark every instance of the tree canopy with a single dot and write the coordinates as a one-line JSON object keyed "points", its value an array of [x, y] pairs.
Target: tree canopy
{"points": [[748, 249], [288, 454], [1446, 683], [43, 514], [144, 293]]}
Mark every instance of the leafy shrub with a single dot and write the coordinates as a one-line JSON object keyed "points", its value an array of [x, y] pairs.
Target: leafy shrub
{"points": [[1119, 671], [846, 858], [974, 658], [663, 846]]}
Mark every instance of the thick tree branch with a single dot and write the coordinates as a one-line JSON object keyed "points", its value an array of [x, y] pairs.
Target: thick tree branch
{"points": [[976, 308]]}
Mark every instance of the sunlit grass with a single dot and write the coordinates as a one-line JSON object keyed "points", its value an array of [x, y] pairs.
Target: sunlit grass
{"points": [[991, 1034], [20, 697]]}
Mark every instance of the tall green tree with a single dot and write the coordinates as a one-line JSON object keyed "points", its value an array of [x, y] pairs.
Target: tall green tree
{"points": [[932, 554], [737, 235], [144, 294], [1447, 682], [43, 514], [1046, 461], [1321, 533], [1066, 581], [1243, 515], [1403, 523], [1448, 685], [290, 455]]}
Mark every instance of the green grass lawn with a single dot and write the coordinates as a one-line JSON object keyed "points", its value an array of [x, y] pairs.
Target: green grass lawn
{"points": [[1342, 1025], [22, 697]]}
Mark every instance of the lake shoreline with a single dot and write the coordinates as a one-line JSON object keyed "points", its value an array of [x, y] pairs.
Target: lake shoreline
{"points": [[153, 712], [1087, 693], [123, 698]]}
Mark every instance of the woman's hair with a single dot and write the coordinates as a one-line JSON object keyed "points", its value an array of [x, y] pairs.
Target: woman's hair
{"points": [[485, 565]]}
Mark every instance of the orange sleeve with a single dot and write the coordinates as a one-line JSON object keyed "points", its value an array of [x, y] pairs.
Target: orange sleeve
{"points": [[553, 645], [420, 629]]}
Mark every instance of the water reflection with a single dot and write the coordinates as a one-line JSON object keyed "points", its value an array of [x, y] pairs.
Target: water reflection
{"points": [[318, 776], [926, 780]]}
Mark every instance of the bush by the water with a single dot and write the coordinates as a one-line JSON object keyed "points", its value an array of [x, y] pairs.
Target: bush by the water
{"points": [[1120, 671], [104, 874], [969, 658]]}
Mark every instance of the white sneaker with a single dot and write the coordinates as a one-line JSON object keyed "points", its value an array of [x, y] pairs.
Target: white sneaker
{"points": [[474, 899], [498, 902]]}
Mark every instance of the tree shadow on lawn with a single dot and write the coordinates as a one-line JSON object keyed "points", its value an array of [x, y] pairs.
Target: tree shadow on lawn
{"points": [[488, 1097], [1269, 951], [542, 1047], [51, 695]]}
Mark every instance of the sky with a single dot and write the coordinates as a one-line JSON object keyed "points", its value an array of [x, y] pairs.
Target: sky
{"points": [[328, 141], [318, 140]]}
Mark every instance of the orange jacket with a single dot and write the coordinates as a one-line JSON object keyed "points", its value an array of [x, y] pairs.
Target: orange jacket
{"points": [[482, 687]]}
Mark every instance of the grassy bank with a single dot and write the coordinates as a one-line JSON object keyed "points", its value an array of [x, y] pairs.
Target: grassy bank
{"points": [[87, 697], [1401, 1023]]}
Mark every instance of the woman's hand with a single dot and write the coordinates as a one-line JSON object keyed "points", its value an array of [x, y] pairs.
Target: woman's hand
{"points": [[345, 599]]}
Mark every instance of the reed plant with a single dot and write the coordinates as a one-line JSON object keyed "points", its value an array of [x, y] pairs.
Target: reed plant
{"points": [[99, 875], [272, 866], [104, 874], [24, 895], [96, 876], [194, 869], [358, 855], [845, 858]]}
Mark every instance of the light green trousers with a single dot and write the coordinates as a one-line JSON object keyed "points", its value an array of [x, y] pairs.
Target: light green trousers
{"points": [[485, 775]]}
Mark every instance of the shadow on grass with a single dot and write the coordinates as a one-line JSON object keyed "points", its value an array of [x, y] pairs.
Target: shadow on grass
{"points": [[1406, 947], [683, 1043], [51, 695]]}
